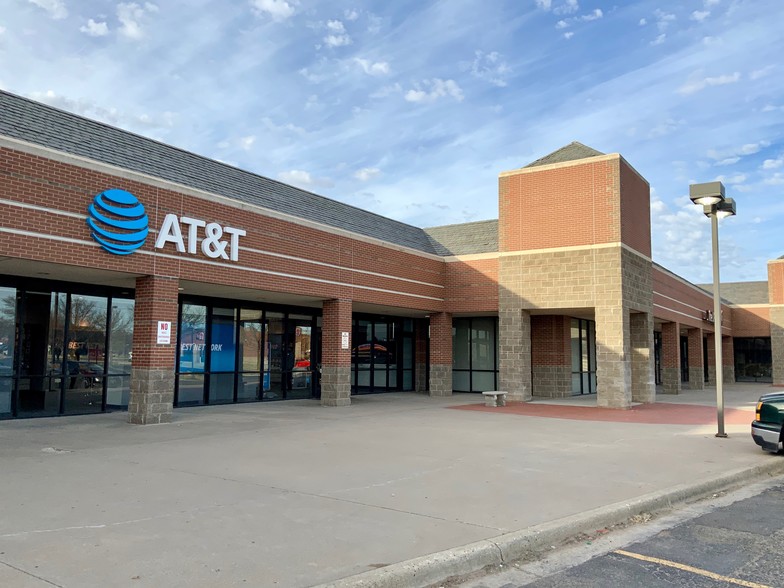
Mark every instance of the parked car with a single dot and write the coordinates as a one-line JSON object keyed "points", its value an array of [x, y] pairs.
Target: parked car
{"points": [[768, 426], [83, 375]]}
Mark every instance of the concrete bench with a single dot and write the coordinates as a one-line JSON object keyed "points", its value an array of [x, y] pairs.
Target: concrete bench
{"points": [[494, 398]]}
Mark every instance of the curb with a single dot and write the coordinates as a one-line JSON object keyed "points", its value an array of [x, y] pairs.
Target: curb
{"points": [[427, 570]]}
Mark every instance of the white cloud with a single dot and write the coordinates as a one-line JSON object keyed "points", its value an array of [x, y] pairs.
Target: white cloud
{"points": [[490, 67], [663, 19], [733, 155], [337, 40], [304, 179], [95, 29], [544, 4], [112, 116], [246, 143], [277, 10], [387, 90], [643, 22], [711, 3], [697, 85], [296, 176], [2, 30], [659, 39], [313, 102], [700, 15], [350, 15], [665, 128], [773, 163], [435, 88], [55, 8], [761, 73], [562, 24], [286, 128], [752, 148], [736, 179], [336, 26], [772, 108], [569, 35], [130, 16], [776, 179], [568, 7], [366, 173], [595, 15], [379, 68]]}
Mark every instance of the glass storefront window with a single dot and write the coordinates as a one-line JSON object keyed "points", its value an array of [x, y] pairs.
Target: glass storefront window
{"points": [[222, 355], [192, 356], [753, 359], [273, 356], [85, 353], [250, 355], [483, 344], [474, 357], [120, 353], [7, 344], [583, 352], [382, 356]]}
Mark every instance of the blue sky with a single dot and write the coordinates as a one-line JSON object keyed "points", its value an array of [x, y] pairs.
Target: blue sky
{"points": [[412, 108]]}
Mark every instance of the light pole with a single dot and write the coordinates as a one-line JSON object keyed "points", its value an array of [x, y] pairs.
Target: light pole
{"points": [[715, 206]]}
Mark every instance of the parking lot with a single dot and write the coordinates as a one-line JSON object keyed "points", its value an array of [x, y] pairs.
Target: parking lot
{"points": [[294, 494]]}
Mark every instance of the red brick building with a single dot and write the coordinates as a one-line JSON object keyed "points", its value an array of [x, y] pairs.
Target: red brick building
{"points": [[140, 276]]}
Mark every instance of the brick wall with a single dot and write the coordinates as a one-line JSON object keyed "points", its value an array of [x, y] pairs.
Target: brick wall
{"points": [[277, 255], [751, 321], [561, 205], [472, 285]]}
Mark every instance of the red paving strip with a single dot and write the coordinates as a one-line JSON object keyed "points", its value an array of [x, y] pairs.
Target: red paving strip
{"points": [[653, 414]]}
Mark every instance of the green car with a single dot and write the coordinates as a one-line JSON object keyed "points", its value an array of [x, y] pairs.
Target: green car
{"points": [[768, 428]]}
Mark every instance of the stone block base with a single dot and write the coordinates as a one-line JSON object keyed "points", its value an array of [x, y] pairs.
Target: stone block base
{"points": [[696, 378], [336, 386], [671, 381], [440, 380], [152, 396]]}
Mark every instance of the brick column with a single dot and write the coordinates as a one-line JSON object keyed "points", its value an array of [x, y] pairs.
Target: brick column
{"points": [[728, 360], [420, 346], [441, 354], [671, 358], [643, 381], [711, 340], [613, 350], [777, 344], [696, 366], [335, 360], [514, 349], [152, 366]]}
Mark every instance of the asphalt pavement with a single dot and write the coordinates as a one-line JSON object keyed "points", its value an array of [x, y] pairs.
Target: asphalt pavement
{"points": [[294, 494], [739, 544]]}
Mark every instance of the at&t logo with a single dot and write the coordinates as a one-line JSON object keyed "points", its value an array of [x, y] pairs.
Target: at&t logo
{"points": [[118, 221]]}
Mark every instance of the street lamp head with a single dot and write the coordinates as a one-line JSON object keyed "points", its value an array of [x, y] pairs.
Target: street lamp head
{"points": [[726, 208], [706, 194]]}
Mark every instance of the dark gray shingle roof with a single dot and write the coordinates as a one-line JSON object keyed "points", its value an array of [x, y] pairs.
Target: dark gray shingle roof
{"points": [[571, 152], [27, 120], [741, 292], [464, 239]]}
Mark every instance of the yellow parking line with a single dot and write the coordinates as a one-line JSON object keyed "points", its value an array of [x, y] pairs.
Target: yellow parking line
{"points": [[686, 568]]}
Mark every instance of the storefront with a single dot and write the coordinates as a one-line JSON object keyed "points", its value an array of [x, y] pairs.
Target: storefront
{"points": [[138, 276], [64, 350]]}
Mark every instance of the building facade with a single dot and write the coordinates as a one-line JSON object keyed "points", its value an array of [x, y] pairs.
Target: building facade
{"points": [[141, 277]]}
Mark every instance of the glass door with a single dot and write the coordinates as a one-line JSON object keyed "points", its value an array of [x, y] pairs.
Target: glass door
{"points": [[41, 354], [298, 372]]}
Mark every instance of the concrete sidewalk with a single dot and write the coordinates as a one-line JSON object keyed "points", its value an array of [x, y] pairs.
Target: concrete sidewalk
{"points": [[293, 494]]}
